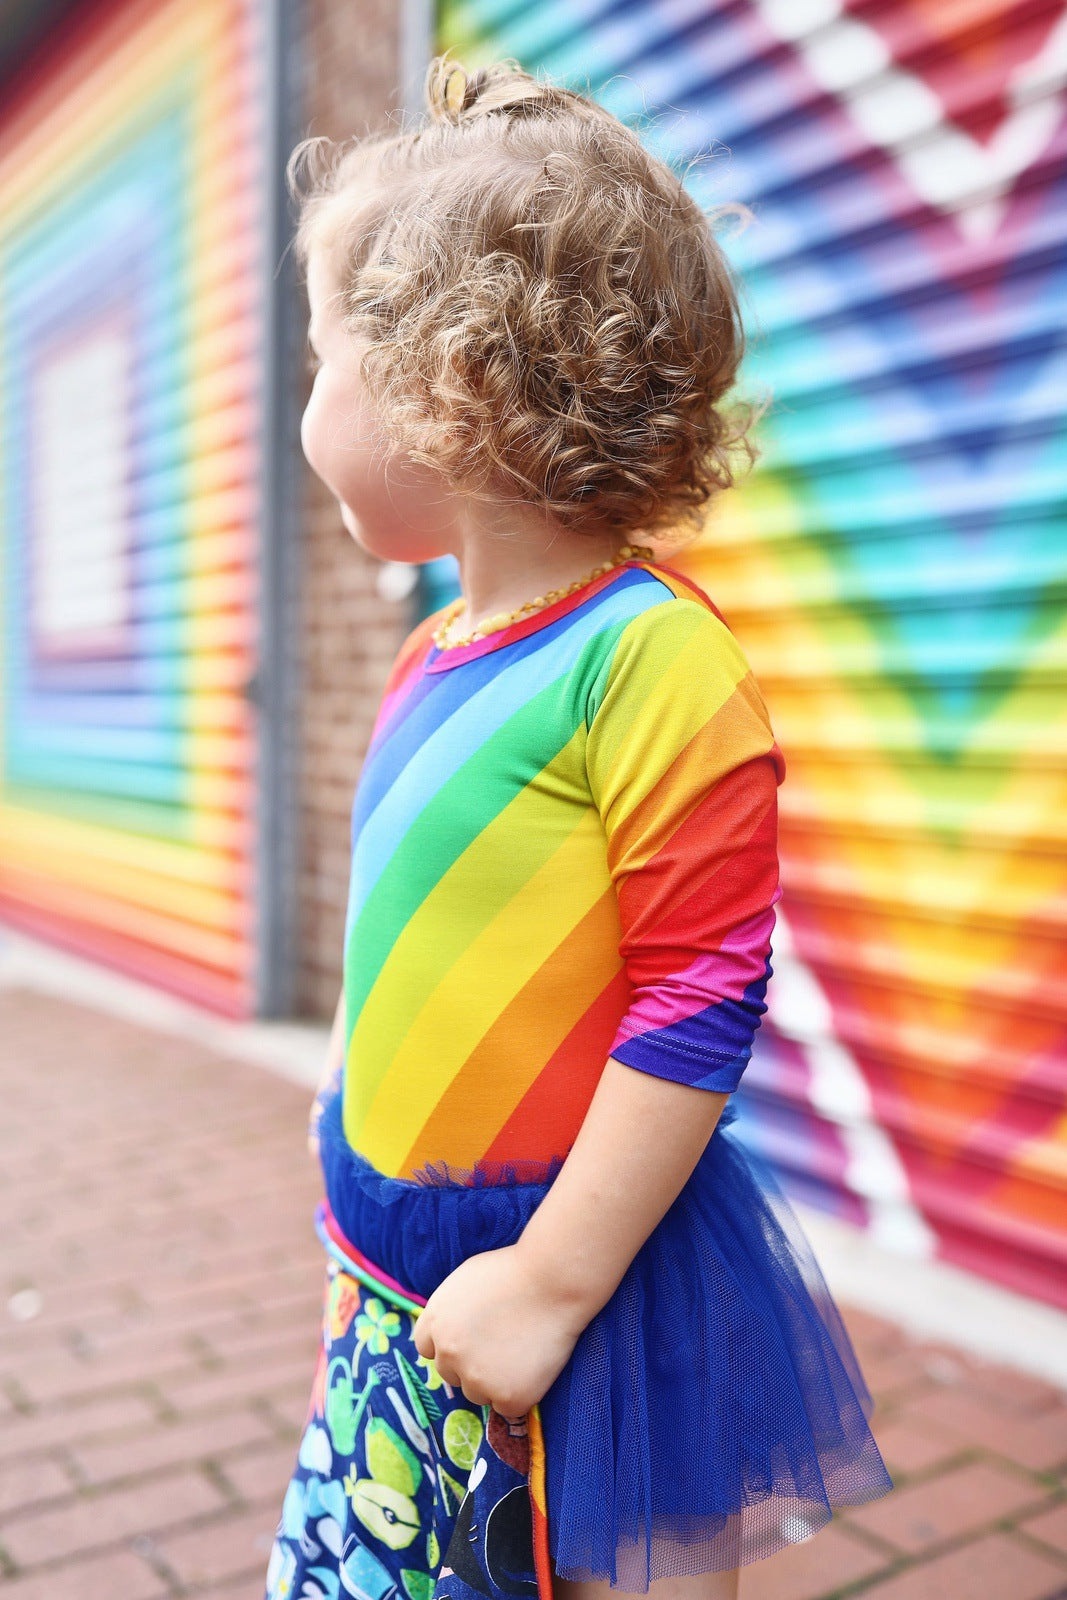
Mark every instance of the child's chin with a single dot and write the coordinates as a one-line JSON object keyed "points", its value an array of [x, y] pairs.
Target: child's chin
{"points": [[390, 544], [363, 535]]}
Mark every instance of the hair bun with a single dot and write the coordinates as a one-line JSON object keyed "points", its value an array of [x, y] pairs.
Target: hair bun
{"points": [[446, 89], [455, 95]]}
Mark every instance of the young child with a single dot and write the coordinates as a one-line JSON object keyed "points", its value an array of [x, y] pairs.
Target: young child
{"points": [[573, 1338]]}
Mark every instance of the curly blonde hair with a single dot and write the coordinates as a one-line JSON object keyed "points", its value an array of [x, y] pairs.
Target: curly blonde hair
{"points": [[548, 314]]}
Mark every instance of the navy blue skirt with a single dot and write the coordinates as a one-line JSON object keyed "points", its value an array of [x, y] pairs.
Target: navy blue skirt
{"points": [[711, 1413]]}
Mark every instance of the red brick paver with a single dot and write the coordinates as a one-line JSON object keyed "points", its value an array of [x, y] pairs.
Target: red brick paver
{"points": [[805, 1571], [995, 1568], [159, 1305], [119, 1575], [936, 1508], [1050, 1526]]}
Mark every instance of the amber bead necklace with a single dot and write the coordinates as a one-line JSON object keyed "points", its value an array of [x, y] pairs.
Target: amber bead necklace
{"points": [[504, 619]]}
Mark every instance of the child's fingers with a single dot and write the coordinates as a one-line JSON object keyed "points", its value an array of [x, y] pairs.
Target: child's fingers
{"points": [[449, 1373], [423, 1337]]}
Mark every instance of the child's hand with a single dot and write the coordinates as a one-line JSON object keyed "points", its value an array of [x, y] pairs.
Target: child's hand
{"points": [[494, 1331]]}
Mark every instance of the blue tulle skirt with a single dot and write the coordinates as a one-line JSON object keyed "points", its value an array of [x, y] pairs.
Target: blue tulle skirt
{"points": [[711, 1413]]}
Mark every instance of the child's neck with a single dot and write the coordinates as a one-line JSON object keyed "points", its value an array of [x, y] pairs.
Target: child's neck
{"points": [[500, 569]]}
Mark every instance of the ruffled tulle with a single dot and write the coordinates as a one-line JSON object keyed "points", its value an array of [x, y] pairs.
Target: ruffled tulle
{"points": [[711, 1413]]}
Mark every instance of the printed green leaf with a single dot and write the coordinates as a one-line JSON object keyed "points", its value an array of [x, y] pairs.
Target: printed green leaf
{"points": [[420, 1398], [451, 1492], [419, 1585]]}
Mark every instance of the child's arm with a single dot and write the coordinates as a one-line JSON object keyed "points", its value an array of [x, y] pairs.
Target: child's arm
{"points": [[614, 1187], [504, 1323], [330, 1077]]}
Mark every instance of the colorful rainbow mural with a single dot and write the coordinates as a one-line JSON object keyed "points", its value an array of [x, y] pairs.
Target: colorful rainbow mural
{"points": [[130, 323], [895, 568]]}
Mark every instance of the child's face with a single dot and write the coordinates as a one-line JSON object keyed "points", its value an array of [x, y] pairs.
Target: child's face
{"points": [[394, 507]]}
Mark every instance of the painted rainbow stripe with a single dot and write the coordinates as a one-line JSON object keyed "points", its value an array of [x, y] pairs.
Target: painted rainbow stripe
{"points": [[129, 322]]}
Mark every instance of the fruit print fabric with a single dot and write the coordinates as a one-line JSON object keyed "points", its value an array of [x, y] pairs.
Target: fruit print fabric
{"points": [[402, 1490]]}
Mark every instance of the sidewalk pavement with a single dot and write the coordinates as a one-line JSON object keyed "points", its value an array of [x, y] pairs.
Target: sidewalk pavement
{"points": [[159, 1304]]}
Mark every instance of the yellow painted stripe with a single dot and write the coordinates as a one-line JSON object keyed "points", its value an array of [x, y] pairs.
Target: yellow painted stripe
{"points": [[115, 859]]}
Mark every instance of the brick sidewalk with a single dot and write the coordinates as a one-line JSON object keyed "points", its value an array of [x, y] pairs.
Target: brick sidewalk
{"points": [[158, 1326]]}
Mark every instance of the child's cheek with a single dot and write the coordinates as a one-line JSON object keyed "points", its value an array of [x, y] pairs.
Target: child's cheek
{"points": [[330, 436], [311, 433]]}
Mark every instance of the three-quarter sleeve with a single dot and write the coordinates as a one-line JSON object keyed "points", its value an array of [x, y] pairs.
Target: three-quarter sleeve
{"points": [[684, 769]]}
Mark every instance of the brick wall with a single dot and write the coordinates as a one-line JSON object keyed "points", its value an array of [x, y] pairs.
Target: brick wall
{"points": [[347, 634]]}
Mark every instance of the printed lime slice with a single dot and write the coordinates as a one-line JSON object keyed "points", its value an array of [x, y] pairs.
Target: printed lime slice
{"points": [[462, 1434], [391, 1517]]}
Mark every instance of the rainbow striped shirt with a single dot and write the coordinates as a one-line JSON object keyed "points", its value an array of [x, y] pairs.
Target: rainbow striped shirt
{"points": [[563, 848]]}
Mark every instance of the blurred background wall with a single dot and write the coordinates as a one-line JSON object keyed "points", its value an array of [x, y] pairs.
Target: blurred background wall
{"points": [[895, 569], [192, 649], [130, 309]]}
